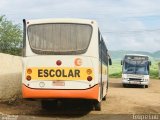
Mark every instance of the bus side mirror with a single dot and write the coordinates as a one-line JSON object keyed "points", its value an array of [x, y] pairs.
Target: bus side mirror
{"points": [[110, 61], [121, 62], [150, 63]]}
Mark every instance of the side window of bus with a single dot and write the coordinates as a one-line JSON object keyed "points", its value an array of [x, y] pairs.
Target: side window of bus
{"points": [[105, 57], [104, 53], [99, 41]]}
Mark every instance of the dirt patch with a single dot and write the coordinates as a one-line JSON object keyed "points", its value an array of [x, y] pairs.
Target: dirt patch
{"points": [[133, 100]]}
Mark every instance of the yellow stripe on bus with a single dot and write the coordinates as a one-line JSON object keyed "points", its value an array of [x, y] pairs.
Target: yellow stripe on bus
{"points": [[46, 73]]}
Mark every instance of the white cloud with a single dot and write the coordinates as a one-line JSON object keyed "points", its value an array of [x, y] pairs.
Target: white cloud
{"points": [[117, 16]]}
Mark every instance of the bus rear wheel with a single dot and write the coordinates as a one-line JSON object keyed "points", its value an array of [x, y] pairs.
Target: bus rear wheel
{"points": [[104, 98], [125, 85], [97, 106], [48, 104]]}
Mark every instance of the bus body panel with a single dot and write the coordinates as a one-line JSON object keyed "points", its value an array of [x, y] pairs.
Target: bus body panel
{"points": [[91, 93], [48, 63], [104, 79], [74, 86]]}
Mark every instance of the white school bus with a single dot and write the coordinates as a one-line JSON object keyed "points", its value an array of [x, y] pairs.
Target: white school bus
{"points": [[64, 59], [135, 70]]}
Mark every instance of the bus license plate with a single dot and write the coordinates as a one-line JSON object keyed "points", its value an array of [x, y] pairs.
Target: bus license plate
{"points": [[58, 83], [136, 82]]}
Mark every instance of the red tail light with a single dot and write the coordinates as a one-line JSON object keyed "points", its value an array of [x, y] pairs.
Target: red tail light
{"points": [[28, 78], [58, 62], [89, 78]]}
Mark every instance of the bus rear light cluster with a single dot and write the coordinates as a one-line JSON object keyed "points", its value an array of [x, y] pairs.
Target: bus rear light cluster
{"points": [[28, 77], [29, 71], [89, 78], [59, 62], [89, 71]]}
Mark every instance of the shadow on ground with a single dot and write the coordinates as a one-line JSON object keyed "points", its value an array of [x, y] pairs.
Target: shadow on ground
{"points": [[68, 108], [64, 109]]}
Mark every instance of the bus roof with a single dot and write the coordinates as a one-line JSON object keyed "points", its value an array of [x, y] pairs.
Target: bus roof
{"points": [[136, 55], [61, 20]]}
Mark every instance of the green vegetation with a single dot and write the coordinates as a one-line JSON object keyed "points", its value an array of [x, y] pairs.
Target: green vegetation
{"points": [[115, 71], [154, 70], [10, 37]]}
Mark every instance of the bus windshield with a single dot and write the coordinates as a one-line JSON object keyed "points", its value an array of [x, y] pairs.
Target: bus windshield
{"points": [[58, 38], [136, 67]]}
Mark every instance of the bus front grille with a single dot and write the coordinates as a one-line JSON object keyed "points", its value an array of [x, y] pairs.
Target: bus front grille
{"points": [[138, 79]]}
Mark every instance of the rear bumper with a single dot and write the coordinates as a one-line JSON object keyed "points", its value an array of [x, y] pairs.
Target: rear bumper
{"points": [[91, 93], [134, 82]]}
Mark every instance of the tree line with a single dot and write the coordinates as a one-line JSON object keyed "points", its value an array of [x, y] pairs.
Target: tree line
{"points": [[10, 37]]}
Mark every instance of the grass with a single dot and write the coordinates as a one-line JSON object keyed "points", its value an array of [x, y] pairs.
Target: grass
{"points": [[115, 71], [154, 70]]}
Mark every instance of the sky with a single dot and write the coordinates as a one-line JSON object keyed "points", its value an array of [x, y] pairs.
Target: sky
{"points": [[124, 24]]}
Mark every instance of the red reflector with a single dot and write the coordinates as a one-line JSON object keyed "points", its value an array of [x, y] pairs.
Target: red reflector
{"points": [[28, 77], [89, 71], [29, 71], [89, 78], [58, 62]]}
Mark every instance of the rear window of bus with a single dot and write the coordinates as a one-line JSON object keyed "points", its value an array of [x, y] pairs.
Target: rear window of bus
{"points": [[55, 38]]}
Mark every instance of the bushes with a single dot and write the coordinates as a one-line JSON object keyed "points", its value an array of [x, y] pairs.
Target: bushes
{"points": [[116, 75], [10, 37], [154, 74]]}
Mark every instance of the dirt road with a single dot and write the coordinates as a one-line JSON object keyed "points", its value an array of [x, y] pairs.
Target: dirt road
{"points": [[133, 100]]}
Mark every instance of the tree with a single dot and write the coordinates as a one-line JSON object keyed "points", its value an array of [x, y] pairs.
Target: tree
{"points": [[10, 37]]}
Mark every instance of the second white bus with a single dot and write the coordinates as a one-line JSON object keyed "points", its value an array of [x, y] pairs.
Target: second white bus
{"points": [[135, 70]]}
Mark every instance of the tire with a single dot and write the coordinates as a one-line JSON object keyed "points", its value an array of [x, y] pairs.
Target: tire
{"points": [[104, 98], [48, 104], [124, 85], [97, 106], [146, 86]]}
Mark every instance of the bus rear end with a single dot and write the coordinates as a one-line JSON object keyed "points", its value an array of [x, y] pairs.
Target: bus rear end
{"points": [[59, 60], [59, 77]]}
